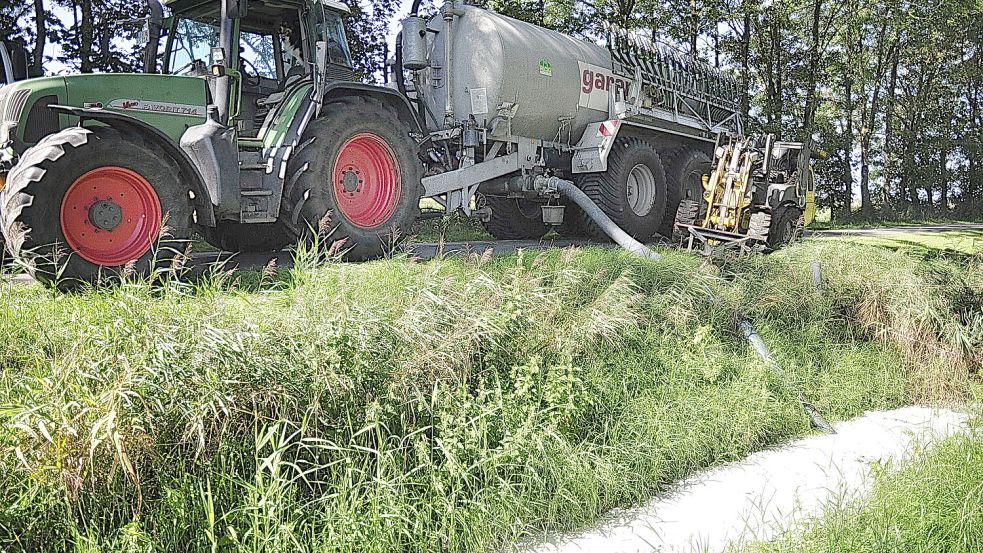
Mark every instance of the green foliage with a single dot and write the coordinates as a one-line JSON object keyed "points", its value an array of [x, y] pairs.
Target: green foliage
{"points": [[451, 405]]}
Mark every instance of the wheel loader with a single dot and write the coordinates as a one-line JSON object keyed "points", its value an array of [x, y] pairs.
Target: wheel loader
{"points": [[758, 196], [250, 129]]}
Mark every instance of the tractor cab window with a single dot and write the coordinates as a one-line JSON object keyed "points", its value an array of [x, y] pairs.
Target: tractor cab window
{"points": [[332, 30], [258, 56], [191, 47]]}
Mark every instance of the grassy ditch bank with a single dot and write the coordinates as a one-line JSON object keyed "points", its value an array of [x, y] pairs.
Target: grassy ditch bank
{"points": [[933, 503], [450, 405]]}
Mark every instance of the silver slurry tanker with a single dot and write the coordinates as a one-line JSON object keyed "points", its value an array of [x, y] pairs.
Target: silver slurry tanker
{"points": [[517, 117], [558, 82]]}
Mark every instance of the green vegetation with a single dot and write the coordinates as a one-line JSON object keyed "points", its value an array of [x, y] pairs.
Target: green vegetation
{"points": [[934, 503], [927, 243], [450, 405]]}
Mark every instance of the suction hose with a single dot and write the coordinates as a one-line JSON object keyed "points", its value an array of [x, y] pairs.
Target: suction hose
{"points": [[620, 237], [577, 196], [761, 348]]}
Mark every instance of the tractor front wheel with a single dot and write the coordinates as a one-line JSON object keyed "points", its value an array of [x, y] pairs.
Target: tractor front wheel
{"points": [[84, 203], [355, 177], [786, 226]]}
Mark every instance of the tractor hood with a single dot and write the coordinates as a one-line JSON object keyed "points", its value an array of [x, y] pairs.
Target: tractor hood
{"points": [[170, 103]]}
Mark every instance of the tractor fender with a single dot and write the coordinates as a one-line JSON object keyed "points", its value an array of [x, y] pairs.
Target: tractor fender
{"points": [[401, 103], [125, 123]]}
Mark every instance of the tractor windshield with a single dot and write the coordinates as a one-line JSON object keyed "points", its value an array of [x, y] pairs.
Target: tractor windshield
{"points": [[192, 43]]}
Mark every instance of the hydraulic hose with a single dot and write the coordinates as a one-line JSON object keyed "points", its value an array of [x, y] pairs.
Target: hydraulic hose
{"points": [[620, 237], [398, 70]]}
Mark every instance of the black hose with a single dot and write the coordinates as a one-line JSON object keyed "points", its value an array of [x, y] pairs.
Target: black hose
{"points": [[415, 8], [619, 236], [398, 70]]}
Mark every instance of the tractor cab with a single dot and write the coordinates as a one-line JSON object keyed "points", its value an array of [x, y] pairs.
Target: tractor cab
{"points": [[273, 47]]}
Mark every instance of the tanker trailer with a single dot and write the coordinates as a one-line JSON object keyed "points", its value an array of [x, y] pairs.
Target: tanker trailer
{"points": [[510, 107]]}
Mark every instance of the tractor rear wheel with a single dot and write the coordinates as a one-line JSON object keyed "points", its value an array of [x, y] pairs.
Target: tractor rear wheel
{"points": [[84, 203], [359, 179], [514, 219], [685, 168], [632, 192]]}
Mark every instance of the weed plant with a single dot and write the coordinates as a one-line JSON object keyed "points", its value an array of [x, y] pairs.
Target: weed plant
{"points": [[452, 405]]}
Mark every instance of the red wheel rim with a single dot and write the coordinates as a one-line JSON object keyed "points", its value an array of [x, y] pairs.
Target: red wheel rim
{"points": [[110, 216], [366, 181]]}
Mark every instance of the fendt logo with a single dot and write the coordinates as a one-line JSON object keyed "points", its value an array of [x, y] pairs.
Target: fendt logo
{"points": [[596, 83], [167, 108]]}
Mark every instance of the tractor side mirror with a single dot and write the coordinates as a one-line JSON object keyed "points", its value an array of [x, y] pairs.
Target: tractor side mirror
{"points": [[20, 60], [236, 9]]}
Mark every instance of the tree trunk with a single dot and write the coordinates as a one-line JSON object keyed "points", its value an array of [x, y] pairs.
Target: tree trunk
{"points": [[812, 74], [847, 186], [40, 38], [85, 37], [746, 64], [889, 154]]}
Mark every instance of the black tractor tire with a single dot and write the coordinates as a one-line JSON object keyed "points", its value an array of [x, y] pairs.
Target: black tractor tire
{"points": [[686, 214], [314, 203], [33, 203], [514, 219], [610, 191], [685, 168], [232, 236], [786, 226]]}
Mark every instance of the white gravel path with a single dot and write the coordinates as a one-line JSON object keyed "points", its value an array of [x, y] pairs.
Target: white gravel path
{"points": [[768, 491]]}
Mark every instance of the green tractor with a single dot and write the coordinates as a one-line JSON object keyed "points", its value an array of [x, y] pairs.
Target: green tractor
{"points": [[248, 130]]}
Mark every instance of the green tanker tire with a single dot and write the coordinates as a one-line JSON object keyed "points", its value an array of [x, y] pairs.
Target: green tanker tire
{"points": [[514, 219]]}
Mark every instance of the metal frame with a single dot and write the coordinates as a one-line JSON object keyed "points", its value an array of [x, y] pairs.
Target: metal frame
{"points": [[725, 240]]}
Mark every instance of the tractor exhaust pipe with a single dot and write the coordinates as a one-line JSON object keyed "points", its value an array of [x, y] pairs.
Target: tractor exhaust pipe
{"points": [[155, 22], [620, 237]]}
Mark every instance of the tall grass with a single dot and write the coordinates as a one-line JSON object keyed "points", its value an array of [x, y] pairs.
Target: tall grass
{"points": [[450, 405], [932, 503]]}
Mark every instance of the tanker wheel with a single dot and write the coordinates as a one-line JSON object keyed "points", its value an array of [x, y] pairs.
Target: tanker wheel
{"points": [[514, 219], [685, 168], [232, 236], [786, 226], [632, 192], [359, 179], [84, 203]]}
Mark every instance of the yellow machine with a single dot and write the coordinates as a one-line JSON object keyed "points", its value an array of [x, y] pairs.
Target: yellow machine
{"points": [[757, 196]]}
